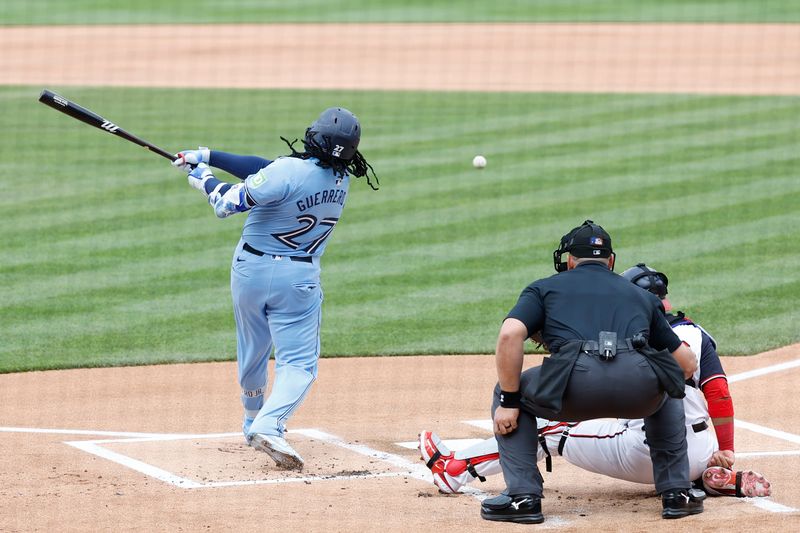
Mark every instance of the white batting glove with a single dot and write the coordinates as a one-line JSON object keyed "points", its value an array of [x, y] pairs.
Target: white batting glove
{"points": [[199, 176], [187, 160]]}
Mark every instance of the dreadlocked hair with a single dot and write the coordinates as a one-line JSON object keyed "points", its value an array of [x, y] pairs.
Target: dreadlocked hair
{"points": [[357, 165]]}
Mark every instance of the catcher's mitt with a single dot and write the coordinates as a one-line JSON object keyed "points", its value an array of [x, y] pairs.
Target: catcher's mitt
{"points": [[720, 481]]}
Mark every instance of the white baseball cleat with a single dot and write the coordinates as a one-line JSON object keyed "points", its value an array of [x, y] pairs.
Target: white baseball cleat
{"points": [[280, 451], [721, 481]]}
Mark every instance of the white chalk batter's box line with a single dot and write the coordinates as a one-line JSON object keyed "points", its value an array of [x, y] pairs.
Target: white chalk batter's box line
{"points": [[414, 470], [95, 447]]}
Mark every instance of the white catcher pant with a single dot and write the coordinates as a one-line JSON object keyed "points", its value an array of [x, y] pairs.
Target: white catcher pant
{"points": [[616, 448], [612, 447]]}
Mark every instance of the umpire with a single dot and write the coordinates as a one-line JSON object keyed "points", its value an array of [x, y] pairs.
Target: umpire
{"points": [[613, 355]]}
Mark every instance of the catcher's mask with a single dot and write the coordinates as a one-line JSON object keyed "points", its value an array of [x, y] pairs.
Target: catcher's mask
{"points": [[648, 278], [336, 133], [589, 240]]}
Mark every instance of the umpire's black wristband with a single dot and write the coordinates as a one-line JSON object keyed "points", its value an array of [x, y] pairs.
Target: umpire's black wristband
{"points": [[510, 399]]}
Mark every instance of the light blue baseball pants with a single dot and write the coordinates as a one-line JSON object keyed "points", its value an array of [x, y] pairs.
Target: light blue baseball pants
{"points": [[276, 302]]}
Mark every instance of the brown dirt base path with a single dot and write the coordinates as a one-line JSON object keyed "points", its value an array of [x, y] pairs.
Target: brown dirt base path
{"points": [[657, 58], [97, 450]]}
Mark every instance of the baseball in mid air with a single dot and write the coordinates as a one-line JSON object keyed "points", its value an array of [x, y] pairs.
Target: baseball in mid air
{"points": [[478, 161]]}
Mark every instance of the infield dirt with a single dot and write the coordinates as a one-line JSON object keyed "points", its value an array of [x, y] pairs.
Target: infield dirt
{"points": [[373, 403]]}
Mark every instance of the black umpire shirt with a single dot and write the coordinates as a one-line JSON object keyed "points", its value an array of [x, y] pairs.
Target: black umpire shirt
{"points": [[590, 298]]}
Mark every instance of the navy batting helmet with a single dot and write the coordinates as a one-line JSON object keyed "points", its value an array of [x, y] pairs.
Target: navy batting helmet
{"points": [[336, 133], [648, 278]]}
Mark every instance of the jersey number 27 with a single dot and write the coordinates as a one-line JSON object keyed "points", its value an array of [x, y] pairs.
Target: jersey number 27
{"points": [[307, 223]]}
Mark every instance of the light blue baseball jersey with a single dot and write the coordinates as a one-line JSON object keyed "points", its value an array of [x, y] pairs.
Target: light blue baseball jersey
{"points": [[298, 204]]}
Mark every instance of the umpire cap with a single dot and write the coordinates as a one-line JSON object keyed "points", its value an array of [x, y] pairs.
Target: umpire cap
{"points": [[648, 278], [587, 240]]}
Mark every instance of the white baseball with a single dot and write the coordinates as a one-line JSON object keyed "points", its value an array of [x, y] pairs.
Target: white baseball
{"points": [[478, 161]]}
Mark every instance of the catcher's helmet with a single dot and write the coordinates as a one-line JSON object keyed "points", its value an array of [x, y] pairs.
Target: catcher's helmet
{"points": [[648, 278], [336, 133], [588, 240]]}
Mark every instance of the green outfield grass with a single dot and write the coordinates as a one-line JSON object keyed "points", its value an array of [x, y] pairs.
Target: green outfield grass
{"points": [[216, 11], [110, 258]]}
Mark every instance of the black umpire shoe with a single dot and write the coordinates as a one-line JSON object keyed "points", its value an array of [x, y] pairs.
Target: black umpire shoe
{"points": [[682, 502], [521, 508]]}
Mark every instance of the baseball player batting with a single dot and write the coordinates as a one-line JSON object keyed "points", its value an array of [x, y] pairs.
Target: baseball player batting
{"points": [[293, 205], [617, 448]]}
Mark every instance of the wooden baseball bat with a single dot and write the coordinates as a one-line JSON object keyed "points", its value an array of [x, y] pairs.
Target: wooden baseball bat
{"points": [[72, 109]]}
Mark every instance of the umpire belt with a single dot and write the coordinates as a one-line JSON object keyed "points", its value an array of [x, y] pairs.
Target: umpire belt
{"points": [[593, 347], [299, 258]]}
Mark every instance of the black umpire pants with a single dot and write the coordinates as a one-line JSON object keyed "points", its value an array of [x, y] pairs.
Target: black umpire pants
{"points": [[625, 387]]}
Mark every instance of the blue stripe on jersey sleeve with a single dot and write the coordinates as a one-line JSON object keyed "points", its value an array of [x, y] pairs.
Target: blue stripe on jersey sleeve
{"points": [[240, 166], [213, 183], [710, 365]]}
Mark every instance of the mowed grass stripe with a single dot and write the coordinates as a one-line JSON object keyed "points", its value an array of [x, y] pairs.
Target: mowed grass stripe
{"points": [[649, 224], [432, 269], [596, 133], [704, 291], [701, 202], [429, 272], [550, 123], [164, 295], [121, 262], [420, 11], [535, 118], [496, 293], [440, 301], [487, 305], [425, 140], [136, 270], [698, 169], [355, 275], [774, 329], [534, 206], [562, 122], [490, 206], [633, 155], [165, 202], [139, 215]]}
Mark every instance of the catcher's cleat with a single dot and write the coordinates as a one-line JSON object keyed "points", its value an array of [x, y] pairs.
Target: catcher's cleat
{"points": [[721, 481], [520, 509], [280, 451], [436, 455], [681, 502]]}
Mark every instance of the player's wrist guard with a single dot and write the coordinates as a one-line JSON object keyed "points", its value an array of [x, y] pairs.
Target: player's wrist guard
{"points": [[510, 400]]}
